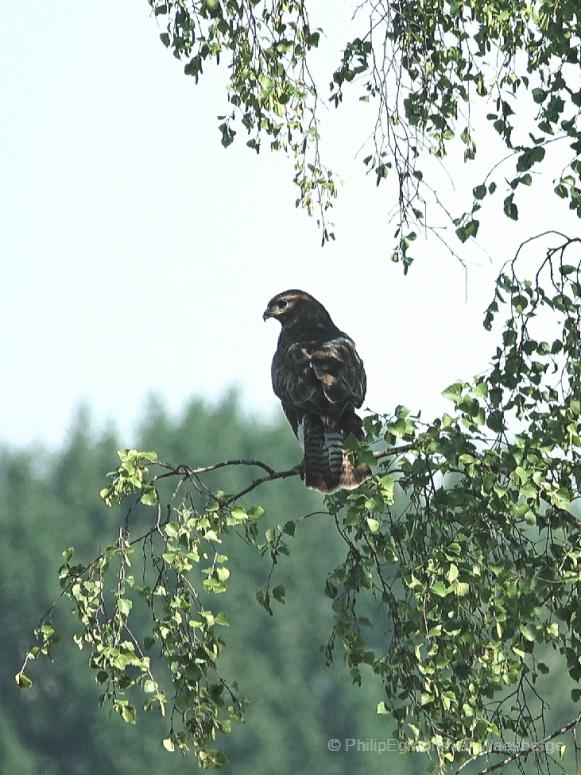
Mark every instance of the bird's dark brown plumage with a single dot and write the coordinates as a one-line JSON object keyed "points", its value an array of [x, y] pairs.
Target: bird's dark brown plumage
{"points": [[320, 380]]}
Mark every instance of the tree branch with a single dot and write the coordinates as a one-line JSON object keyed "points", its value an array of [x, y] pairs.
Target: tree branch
{"points": [[524, 751], [271, 474]]}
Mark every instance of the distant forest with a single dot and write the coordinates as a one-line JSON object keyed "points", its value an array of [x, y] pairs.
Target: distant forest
{"points": [[49, 500]]}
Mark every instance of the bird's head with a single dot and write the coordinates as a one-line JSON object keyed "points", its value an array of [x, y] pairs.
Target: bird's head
{"points": [[290, 306]]}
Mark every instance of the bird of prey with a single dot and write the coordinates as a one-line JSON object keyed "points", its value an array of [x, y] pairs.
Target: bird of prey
{"points": [[320, 380]]}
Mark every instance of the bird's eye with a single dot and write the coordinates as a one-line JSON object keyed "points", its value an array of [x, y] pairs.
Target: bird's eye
{"points": [[282, 303]]}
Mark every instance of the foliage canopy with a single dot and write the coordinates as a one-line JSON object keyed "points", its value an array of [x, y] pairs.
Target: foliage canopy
{"points": [[428, 67]]}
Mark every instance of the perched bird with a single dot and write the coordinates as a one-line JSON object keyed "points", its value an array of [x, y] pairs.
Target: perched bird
{"points": [[320, 380]]}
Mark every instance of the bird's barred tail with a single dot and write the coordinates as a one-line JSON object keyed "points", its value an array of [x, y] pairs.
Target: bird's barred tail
{"points": [[328, 465]]}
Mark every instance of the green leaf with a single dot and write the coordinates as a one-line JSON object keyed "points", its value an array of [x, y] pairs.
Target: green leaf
{"points": [[452, 574], [510, 209], [256, 512], [222, 573], [527, 632], [387, 484], [440, 589], [453, 392], [481, 390], [23, 681], [127, 712], [238, 512], [149, 496], [561, 498], [124, 606], [149, 457], [468, 230], [278, 593]]}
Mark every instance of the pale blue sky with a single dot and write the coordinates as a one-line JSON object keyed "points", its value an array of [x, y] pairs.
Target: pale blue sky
{"points": [[138, 255]]}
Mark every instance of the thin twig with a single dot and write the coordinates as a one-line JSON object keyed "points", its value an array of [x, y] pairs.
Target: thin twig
{"points": [[525, 751]]}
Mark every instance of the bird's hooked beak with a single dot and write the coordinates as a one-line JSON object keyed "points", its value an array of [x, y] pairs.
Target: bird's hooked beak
{"points": [[267, 314]]}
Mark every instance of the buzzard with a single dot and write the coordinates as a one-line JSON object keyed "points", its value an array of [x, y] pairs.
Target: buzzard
{"points": [[320, 380]]}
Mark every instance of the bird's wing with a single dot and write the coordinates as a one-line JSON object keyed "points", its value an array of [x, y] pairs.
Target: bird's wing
{"points": [[339, 370], [310, 377], [319, 383], [294, 381]]}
